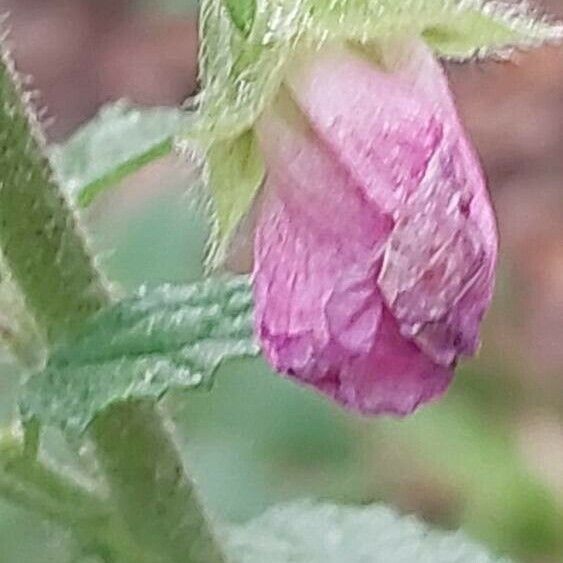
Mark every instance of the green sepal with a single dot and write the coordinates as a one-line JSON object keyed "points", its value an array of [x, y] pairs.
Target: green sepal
{"points": [[490, 29], [239, 75], [460, 29], [235, 172]]}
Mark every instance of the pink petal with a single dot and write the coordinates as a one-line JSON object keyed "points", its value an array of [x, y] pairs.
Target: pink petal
{"points": [[398, 135], [318, 254]]}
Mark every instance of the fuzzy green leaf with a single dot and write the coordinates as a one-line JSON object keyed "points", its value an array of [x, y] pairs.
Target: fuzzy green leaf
{"points": [[142, 347], [457, 29], [118, 142], [242, 13], [235, 173], [305, 532]]}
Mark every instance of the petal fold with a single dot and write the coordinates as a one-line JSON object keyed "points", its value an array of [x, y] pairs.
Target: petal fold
{"points": [[392, 124], [318, 255]]}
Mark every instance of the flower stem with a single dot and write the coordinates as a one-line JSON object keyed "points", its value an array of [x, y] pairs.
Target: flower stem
{"points": [[39, 238], [147, 478], [47, 258]]}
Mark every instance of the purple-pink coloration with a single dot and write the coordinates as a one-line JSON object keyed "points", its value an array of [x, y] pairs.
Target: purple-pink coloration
{"points": [[376, 243]]}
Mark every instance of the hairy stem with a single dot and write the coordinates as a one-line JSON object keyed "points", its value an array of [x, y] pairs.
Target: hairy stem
{"points": [[39, 237], [45, 252], [139, 453]]}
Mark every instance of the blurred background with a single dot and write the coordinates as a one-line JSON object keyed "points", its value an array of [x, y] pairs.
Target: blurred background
{"points": [[488, 458]]}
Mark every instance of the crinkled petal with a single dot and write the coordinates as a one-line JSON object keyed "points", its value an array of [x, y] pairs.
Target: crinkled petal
{"points": [[315, 185], [397, 132], [318, 254]]}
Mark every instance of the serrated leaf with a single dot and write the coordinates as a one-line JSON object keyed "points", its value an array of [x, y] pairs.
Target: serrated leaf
{"points": [[142, 347], [119, 141], [306, 532], [458, 29], [235, 173], [242, 13]]}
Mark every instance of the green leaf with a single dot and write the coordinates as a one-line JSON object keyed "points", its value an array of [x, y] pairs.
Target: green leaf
{"points": [[118, 142], [306, 532], [142, 347], [242, 13], [235, 173], [458, 29]]}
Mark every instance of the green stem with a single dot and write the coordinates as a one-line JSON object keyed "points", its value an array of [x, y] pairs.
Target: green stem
{"points": [[45, 252], [39, 237], [148, 480]]}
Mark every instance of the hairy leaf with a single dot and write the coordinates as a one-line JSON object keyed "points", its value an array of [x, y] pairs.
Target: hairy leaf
{"points": [[235, 173], [305, 532], [119, 141], [142, 347]]}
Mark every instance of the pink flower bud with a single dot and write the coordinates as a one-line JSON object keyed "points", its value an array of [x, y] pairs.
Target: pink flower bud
{"points": [[376, 243]]}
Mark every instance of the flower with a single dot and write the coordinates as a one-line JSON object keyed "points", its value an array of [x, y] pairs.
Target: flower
{"points": [[375, 244]]}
